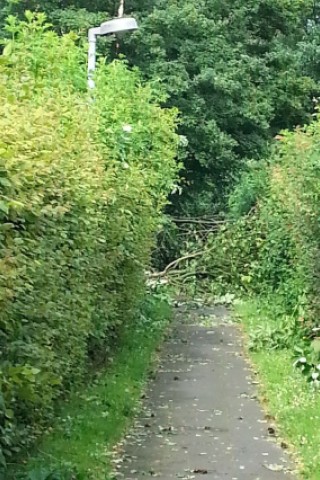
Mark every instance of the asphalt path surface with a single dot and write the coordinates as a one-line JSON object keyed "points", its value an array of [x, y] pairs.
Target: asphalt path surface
{"points": [[201, 417]]}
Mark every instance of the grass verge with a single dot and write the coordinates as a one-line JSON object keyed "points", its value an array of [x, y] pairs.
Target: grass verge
{"points": [[79, 447], [286, 395]]}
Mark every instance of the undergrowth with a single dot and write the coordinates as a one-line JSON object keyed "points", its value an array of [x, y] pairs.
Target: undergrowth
{"points": [[80, 444], [287, 397], [269, 250]]}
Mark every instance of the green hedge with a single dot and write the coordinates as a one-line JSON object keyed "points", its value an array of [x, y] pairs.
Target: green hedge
{"points": [[82, 184]]}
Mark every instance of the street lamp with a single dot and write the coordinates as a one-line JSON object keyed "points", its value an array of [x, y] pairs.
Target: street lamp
{"points": [[117, 25]]}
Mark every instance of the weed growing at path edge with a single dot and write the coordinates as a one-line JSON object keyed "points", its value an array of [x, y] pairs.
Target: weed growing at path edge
{"points": [[288, 398]]}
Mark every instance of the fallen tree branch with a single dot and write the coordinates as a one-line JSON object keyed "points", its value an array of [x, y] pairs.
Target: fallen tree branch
{"points": [[200, 221], [213, 228], [175, 263]]}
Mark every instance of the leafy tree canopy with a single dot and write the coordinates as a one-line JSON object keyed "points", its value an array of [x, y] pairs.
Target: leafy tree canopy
{"points": [[239, 71], [234, 71]]}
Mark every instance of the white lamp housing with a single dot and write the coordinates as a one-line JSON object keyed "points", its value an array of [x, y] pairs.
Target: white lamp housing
{"points": [[118, 25], [114, 26]]}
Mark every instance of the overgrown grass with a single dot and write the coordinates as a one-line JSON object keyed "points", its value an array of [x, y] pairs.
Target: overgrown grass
{"points": [[79, 447], [286, 394]]}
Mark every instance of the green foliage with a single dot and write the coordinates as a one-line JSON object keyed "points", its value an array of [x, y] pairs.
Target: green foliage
{"points": [[76, 15], [308, 362], [272, 252], [250, 187], [234, 71], [287, 397], [48, 474], [82, 184], [69, 15], [238, 71], [273, 329], [95, 419], [274, 249]]}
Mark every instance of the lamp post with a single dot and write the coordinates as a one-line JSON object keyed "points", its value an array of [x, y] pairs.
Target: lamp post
{"points": [[117, 25]]}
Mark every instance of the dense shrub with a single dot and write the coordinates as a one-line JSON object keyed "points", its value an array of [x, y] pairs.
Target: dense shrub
{"points": [[274, 248], [82, 184]]}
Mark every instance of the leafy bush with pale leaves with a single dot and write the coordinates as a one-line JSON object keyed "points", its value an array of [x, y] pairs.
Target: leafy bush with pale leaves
{"points": [[82, 184]]}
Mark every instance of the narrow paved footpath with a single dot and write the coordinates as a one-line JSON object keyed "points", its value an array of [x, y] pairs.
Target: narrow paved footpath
{"points": [[201, 416]]}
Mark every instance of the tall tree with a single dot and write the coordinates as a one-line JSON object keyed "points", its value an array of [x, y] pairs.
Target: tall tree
{"points": [[233, 70], [238, 70]]}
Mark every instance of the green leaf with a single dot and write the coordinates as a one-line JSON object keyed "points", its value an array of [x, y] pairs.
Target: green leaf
{"points": [[4, 207], [316, 345], [8, 49], [5, 182], [9, 413], [3, 462]]}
